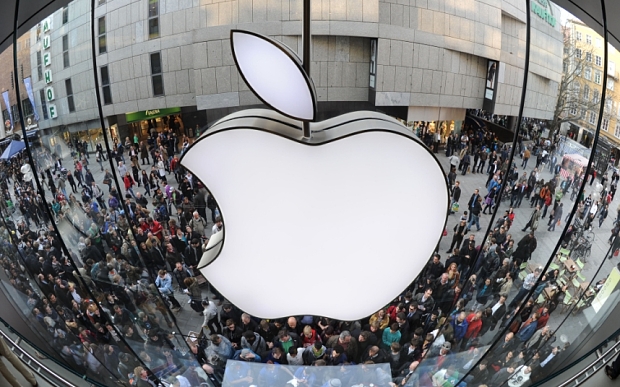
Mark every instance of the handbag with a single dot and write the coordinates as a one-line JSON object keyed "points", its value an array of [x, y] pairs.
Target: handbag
{"points": [[445, 232], [455, 207], [201, 279]]}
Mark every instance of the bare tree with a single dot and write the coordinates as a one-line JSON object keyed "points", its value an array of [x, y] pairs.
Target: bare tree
{"points": [[577, 94]]}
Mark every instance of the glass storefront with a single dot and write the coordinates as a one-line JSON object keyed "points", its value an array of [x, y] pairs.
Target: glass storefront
{"points": [[102, 229]]}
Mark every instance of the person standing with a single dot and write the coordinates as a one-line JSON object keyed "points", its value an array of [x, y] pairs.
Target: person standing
{"points": [[602, 215], [534, 218], [526, 157], [557, 216], [456, 195], [528, 284], [459, 232], [472, 200], [475, 214], [466, 161]]}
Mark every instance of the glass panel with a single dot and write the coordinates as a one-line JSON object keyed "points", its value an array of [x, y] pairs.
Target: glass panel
{"points": [[154, 28], [158, 85]]}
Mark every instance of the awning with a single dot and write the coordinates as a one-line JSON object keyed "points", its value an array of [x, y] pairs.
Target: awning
{"points": [[149, 114], [14, 148]]}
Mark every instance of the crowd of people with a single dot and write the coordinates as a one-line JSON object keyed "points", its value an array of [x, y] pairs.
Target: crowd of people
{"points": [[106, 293]]}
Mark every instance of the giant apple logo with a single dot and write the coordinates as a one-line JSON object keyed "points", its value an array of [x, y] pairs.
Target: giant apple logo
{"points": [[334, 226]]}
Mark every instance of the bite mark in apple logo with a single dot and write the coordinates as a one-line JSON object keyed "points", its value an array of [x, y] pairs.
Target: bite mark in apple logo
{"points": [[336, 225]]}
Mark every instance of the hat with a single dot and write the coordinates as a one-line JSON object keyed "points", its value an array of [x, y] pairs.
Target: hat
{"points": [[446, 345], [245, 352], [335, 383]]}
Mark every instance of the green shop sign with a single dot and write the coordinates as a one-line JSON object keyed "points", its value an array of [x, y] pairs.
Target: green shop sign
{"points": [[539, 7], [148, 114]]}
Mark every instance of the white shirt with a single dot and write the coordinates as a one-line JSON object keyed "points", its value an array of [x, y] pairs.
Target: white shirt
{"points": [[548, 359], [496, 307], [216, 229], [297, 360], [76, 296], [594, 209], [519, 378]]}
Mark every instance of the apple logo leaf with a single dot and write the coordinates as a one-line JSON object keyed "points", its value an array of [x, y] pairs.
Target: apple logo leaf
{"points": [[275, 74]]}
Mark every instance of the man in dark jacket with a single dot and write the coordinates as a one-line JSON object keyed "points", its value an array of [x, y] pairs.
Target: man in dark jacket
{"points": [[435, 267], [525, 248]]}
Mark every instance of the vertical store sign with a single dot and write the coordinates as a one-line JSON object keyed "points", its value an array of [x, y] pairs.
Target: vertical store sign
{"points": [[47, 61]]}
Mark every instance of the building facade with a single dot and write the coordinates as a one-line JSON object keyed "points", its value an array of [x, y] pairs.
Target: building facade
{"points": [[171, 61], [584, 58]]}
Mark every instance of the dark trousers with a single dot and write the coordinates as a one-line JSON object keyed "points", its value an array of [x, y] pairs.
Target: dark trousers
{"points": [[613, 370], [456, 241], [173, 301]]}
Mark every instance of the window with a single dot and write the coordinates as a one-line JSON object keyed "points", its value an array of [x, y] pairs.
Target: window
{"points": [[153, 19], [586, 93], [15, 111], [610, 84], [65, 51], [592, 118], [588, 39], [578, 36], [105, 85], [573, 111], [157, 77], [578, 53], [598, 77], [39, 66], [43, 104], [608, 105], [599, 43], [611, 68], [69, 89], [102, 37], [617, 131], [65, 15], [598, 60], [588, 73], [605, 125], [595, 96], [588, 57], [27, 108]]}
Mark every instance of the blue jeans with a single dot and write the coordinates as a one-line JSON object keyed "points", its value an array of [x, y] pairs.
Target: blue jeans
{"points": [[475, 219]]}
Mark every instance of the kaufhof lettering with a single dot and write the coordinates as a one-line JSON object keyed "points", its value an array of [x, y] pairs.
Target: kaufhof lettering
{"points": [[47, 61]]}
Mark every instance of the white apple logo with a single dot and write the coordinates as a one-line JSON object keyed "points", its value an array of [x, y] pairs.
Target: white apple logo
{"points": [[336, 226]]}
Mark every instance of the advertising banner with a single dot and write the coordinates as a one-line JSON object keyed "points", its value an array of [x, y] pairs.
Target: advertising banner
{"points": [[5, 95], [28, 84]]}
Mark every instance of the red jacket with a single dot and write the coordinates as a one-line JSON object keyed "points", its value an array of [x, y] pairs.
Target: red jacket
{"points": [[128, 180], [474, 327], [542, 320], [156, 229]]}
